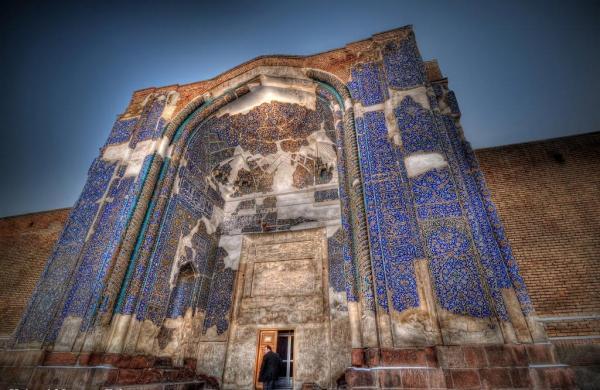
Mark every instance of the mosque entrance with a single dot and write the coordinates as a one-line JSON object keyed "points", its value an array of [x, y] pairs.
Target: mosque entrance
{"points": [[282, 296], [282, 342]]}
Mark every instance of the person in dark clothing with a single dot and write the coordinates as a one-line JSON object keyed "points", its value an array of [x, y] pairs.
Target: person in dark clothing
{"points": [[269, 369]]}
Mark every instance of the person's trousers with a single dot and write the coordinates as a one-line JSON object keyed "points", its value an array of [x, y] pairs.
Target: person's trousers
{"points": [[268, 385]]}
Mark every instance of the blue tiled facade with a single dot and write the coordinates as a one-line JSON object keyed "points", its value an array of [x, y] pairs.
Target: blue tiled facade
{"points": [[443, 214]]}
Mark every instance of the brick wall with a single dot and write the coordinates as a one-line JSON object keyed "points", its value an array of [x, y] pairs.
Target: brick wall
{"points": [[25, 243], [548, 196]]}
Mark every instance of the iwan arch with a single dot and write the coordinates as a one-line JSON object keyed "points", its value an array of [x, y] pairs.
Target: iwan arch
{"points": [[331, 200]]}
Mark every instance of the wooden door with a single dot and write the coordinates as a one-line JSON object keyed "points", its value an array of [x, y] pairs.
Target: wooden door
{"points": [[265, 337]]}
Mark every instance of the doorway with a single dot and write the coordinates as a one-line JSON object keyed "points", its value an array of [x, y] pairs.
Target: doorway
{"points": [[281, 342]]}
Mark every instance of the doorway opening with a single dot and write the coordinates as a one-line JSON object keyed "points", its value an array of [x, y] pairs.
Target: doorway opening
{"points": [[281, 342], [285, 349]]}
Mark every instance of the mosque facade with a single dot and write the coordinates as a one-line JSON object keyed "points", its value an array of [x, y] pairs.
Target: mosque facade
{"points": [[328, 206]]}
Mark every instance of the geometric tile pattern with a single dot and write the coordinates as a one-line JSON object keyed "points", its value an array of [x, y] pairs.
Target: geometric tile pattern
{"points": [[435, 195], [121, 131], [151, 124], [457, 283], [403, 65], [335, 245], [58, 272], [366, 85], [436, 199], [394, 239]]}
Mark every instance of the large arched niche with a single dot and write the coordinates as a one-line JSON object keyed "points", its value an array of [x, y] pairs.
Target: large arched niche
{"points": [[263, 156]]}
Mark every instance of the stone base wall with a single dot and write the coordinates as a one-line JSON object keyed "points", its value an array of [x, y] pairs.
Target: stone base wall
{"points": [[37, 369], [464, 367]]}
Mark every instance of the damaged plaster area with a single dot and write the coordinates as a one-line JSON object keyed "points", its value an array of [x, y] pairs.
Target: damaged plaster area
{"points": [[419, 163], [134, 157], [265, 163], [419, 95], [271, 89]]}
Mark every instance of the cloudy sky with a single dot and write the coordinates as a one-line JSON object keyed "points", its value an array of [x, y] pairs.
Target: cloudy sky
{"points": [[521, 70]]}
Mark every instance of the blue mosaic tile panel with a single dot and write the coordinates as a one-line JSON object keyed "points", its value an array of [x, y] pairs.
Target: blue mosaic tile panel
{"points": [[151, 125], [181, 297], [58, 272], [498, 230], [403, 65], [457, 284], [184, 219], [349, 265], [435, 195], [100, 250], [366, 85], [335, 245], [419, 133], [498, 254], [452, 103], [394, 238], [371, 213], [436, 198], [221, 296], [147, 279], [84, 299], [490, 257], [121, 131], [98, 178], [138, 265]]}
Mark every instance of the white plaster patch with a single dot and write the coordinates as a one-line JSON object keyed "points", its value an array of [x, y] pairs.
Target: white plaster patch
{"points": [[320, 145], [359, 109], [337, 301], [281, 164], [289, 73], [172, 99], [163, 148], [417, 164], [136, 159], [347, 103], [301, 204], [215, 220], [233, 247], [118, 152], [184, 242], [331, 230], [419, 95], [271, 90]]}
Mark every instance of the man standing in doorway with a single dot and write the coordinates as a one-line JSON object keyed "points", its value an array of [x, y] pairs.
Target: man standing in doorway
{"points": [[269, 369]]}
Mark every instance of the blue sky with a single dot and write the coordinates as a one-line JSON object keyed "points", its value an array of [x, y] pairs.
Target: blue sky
{"points": [[521, 70]]}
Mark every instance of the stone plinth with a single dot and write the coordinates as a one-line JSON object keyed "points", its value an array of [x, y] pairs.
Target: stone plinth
{"points": [[465, 367], [38, 369]]}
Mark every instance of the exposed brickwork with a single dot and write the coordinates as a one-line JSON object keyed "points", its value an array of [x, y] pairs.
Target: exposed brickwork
{"points": [[548, 197], [25, 243]]}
